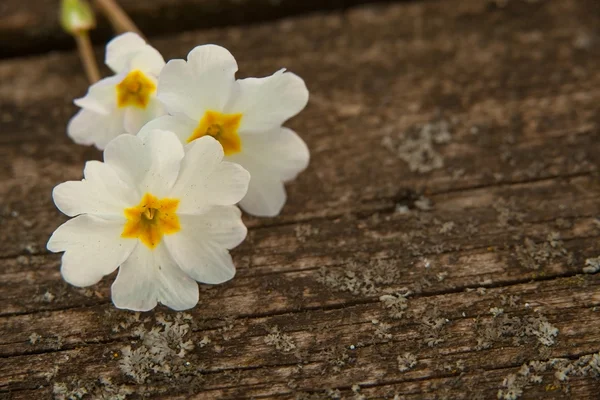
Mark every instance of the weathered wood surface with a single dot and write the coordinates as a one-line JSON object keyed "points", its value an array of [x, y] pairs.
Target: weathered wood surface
{"points": [[32, 25], [378, 279]]}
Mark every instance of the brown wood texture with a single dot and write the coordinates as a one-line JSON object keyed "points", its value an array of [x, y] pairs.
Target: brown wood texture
{"points": [[28, 26], [434, 249]]}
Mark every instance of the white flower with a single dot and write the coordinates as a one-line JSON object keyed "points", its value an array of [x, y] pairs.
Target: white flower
{"points": [[165, 216], [124, 102], [245, 116]]}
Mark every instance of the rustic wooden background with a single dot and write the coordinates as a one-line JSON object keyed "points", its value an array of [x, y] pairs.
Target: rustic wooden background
{"points": [[443, 243]]}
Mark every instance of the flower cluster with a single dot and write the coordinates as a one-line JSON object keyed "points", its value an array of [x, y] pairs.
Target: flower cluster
{"points": [[184, 142]]}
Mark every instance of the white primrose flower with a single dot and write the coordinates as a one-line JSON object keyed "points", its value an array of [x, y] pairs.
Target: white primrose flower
{"points": [[124, 102], [245, 116], [165, 217]]}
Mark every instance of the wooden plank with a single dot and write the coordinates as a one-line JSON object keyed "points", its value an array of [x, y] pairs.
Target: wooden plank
{"points": [[390, 238], [33, 26], [340, 347], [381, 277]]}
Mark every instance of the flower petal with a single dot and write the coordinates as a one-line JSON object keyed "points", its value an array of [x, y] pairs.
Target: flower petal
{"points": [[136, 118], [221, 225], [203, 83], [175, 89], [266, 194], [266, 103], [228, 184], [120, 50], [148, 59], [205, 181], [203, 260], [101, 193], [93, 248], [280, 153], [165, 153], [135, 286], [149, 276], [101, 96], [176, 289], [272, 158], [88, 127], [179, 124], [127, 155]]}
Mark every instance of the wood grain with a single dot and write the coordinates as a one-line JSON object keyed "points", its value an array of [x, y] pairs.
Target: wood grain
{"points": [[32, 26], [382, 277]]}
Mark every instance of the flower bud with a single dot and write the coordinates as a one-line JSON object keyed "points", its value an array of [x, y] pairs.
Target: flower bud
{"points": [[76, 16]]}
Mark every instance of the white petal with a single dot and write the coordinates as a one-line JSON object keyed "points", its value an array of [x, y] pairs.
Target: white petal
{"points": [[150, 161], [271, 158], [120, 50], [203, 83], [221, 225], [101, 193], [266, 103], [179, 124], [93, 248], [127, 155], [135, 286], [101, 96], [88, 127], [175, 90], [204, 180], [165, 152], [151, 276], [227, 184], [280, 153], [213, 68], [176, 289], [148, 59], [202, 156], [266, 195], [203, 260], [136, 118]]}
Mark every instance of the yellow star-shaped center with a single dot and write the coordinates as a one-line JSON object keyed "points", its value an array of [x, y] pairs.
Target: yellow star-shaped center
{"points": [[151, 219], [222, 127], [135, 90]]}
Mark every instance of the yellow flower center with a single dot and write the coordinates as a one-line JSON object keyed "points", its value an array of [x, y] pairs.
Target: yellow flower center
{"points": [[135, 90], [151, 219], [222, 127]]}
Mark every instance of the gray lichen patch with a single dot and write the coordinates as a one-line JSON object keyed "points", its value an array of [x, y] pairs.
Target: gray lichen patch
{"points": [[395, 304], [327, 394], [447, 227], [496, 311], [360, 279], [34, 338], [432, 328], [338, 358], [47, 297], [588, 365], [536, 372], [53, 342], [406, 362], [418, 145], [382, 330], [424, 204], [592, 265], [516, 330], [532, 255], [305, 231], [357, 394], [281, 341], [102, 389], [508, 215], [160, 351], [227, 328]]}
